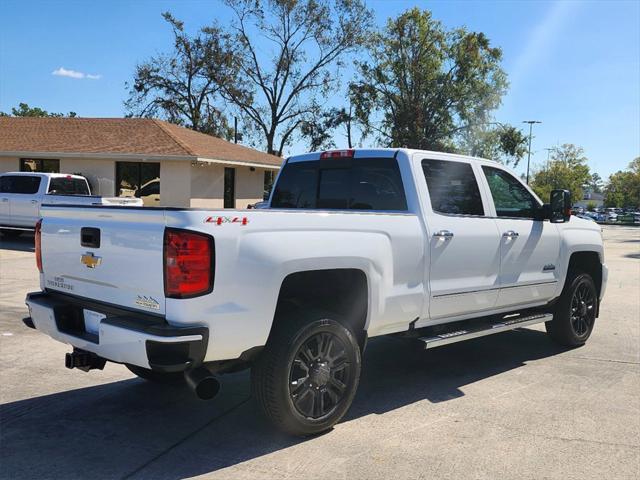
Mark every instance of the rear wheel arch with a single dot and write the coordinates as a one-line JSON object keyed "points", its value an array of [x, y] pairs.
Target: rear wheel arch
{"points": [[342, 291]]}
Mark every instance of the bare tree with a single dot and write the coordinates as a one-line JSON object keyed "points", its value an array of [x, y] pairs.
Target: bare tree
{"points": [[286, 66], [184, 86]]}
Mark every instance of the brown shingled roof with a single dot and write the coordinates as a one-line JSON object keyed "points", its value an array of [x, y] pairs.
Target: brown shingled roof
{"points": [[136, 136]]}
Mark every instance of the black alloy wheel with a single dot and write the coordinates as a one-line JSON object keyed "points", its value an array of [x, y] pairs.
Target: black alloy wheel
{"points": [[319, 375], [306, 377], [583, 308], [574, 315]]}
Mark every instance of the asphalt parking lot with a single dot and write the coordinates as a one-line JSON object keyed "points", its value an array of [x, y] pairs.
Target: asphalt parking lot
{"points": [[508, 406]]}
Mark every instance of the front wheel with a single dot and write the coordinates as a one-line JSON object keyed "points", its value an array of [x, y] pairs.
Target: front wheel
{"points": [[307, 375], [575, 312]]}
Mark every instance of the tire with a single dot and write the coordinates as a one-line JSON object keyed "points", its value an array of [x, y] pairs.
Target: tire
{"points": [[307, 375], [575, 313], [157, 377], [12, 234]]}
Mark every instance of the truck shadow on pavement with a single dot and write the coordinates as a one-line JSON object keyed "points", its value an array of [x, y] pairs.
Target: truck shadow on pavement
{"points": [[23, 243], [132, 429]]}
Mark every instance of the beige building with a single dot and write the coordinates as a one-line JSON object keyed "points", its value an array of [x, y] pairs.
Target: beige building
{"points": [[162, 163]]}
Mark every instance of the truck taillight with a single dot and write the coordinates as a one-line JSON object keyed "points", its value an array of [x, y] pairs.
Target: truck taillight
{"points": [[38, 244], [188, 263]]}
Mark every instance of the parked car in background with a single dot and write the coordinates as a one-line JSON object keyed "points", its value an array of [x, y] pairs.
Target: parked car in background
{"points": [[628, 217], [149, 193], [258, 205], [23, 193]]}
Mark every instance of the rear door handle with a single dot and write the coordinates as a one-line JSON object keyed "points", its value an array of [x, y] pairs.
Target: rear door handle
{"points": [[5, 199], [510, 234], [34, 201], [443, 234]]}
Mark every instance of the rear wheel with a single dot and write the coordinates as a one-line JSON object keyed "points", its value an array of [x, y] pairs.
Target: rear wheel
{"points": [[157, 377], [575, 312], [307, 375]]}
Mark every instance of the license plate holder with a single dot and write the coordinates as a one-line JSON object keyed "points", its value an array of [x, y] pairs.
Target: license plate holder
{"points": [[92, 321]]}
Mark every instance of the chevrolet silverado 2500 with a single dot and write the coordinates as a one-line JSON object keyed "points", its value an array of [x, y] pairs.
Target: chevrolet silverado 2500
{"points": [[22, 193], [354, 244]]}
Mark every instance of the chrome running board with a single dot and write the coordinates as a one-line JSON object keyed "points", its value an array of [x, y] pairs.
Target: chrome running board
{"points": [[508, 323]]}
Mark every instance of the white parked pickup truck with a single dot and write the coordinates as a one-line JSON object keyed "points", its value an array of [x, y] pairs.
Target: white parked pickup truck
{"points": [[355, 244], [22, 194]]}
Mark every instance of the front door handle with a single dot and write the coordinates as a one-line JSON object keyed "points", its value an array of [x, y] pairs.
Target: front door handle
{"points": [[443, 234], [510, 234], [34, 201], [5, 199]]}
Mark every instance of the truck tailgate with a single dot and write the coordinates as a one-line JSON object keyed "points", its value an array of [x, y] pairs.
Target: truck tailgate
{"points": [[108, 254]]}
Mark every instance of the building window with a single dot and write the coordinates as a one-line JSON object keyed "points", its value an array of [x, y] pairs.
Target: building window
{"points": [[44, 165], [139, 179], [229, 188], [269, 177]]}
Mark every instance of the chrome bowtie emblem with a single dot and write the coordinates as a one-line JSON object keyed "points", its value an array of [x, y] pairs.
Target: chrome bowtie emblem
{"points": [[90, 260]]}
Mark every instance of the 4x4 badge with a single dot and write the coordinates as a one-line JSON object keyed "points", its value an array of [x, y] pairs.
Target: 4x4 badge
{"points": [[221, 220]]}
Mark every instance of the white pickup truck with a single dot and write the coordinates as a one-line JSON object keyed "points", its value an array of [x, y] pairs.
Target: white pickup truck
{"points": [[355, 244], [22, 194]]}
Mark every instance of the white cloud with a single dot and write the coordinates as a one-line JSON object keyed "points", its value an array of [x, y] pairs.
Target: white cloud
{"points": [[63, 72]]}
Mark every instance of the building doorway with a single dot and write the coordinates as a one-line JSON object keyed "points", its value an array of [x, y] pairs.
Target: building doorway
{"points": [[229, 188]]}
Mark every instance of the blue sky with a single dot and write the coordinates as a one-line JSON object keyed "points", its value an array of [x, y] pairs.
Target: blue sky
{"points": [[573, 65]]}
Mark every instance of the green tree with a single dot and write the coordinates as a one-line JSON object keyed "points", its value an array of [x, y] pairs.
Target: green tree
{"points": [[290, 54], [595, 183], [424, 84], [184, 86], [24, 110], [495, 141], [318, 129], [567, 169], [623, 187]]}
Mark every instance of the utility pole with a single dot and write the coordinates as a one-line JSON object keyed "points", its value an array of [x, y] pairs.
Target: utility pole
{"points": [[530, 122], [235, 130], [549, 150]]}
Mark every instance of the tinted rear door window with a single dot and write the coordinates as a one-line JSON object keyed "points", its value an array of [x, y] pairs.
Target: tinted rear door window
{"points": [[354, 184], [453, 188], [27, 185]]}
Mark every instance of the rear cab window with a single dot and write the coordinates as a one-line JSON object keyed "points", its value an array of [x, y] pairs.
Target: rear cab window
{"points": [[453, 189], [68, 186], [20, 184], [341, 184]]}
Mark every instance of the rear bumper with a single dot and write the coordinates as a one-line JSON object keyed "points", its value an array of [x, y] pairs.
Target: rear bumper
{"points": [[122, 336]]}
